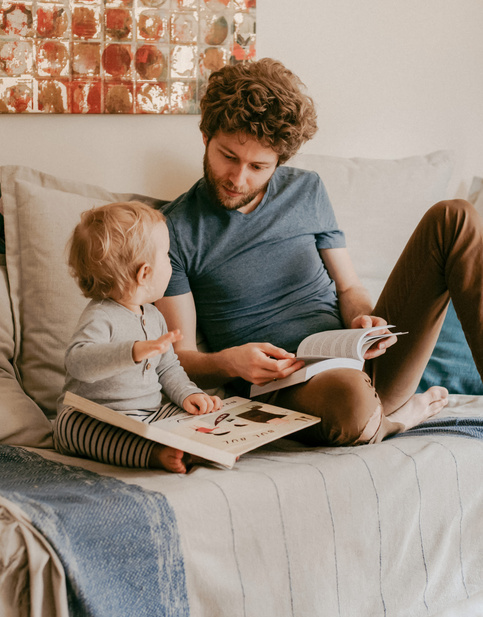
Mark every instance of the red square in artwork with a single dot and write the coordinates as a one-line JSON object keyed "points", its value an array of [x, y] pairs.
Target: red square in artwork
{"points": [[16, 96], [86, 59], [118, 98], [86, 22], [153, 25], [117, 61], [118, 24], [86, 97], [152, 98], [53, 59], [150, 62], [53, 96], [17, 20], [52, 21]]}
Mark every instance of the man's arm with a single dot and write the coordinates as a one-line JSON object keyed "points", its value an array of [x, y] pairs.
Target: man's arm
{"points": [[254, 362], [354, 301]]}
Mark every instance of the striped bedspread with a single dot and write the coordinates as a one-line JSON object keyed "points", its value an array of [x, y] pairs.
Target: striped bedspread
{"points": [[387, 530]]}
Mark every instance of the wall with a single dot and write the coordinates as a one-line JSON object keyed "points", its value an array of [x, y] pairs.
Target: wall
{"points": [[390, 79]]}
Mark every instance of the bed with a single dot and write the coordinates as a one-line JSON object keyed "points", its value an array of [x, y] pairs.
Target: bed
{"points": [[394, 529]]}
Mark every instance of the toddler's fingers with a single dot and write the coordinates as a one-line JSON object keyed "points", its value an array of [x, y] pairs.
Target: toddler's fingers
{"points": [[195, 407], [170, 337], [204, 405], [175, 335], [216, 401], [164, 347]]}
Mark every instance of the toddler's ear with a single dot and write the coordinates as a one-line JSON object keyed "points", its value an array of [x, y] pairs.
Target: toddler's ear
{"points": [[143, 274]]}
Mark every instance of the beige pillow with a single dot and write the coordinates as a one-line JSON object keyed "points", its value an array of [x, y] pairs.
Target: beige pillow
{"points": [[21, 420], [40, 212], [378, 203]]}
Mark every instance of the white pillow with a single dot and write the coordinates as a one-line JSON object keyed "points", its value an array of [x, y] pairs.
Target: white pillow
{"points": [[40, 212], [476, 194], [378, 203]]}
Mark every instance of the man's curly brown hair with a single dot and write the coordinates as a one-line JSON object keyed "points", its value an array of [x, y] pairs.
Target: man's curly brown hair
{"points": [[262, 99]]}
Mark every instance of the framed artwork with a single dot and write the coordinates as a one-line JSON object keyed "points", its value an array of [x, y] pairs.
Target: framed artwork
{"points": [[118, 56]]}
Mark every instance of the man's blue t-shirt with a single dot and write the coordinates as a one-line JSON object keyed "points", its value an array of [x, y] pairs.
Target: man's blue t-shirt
{"points": [[257, 277]]}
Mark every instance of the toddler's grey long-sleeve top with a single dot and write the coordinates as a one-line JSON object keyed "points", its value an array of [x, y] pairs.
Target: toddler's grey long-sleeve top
{"points": [[100, 367]]}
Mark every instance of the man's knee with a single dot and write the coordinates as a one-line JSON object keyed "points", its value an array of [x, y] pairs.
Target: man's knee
{"points": [[354, 404], [450, 209], [346, 402]]}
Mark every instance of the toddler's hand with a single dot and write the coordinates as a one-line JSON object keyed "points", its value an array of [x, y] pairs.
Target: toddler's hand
{"points": [[200, 403], [141, 350]]}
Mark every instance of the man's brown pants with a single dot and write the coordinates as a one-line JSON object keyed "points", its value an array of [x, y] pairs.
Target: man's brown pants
{"points": [[443, 259]]}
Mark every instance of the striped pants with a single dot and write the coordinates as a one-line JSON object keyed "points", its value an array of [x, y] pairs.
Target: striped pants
{"points": [[77, 434]]}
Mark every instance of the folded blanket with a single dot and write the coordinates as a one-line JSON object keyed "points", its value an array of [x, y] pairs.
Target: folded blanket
{"points": [[118, 543], [465, 427]]}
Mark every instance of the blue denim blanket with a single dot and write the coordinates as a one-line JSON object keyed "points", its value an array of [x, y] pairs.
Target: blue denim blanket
{"points": [[118, 543], [465, 427]]}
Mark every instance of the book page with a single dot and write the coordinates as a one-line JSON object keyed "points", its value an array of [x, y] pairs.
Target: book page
{"points": [[238, 426], [346, 343], [331, 344]]}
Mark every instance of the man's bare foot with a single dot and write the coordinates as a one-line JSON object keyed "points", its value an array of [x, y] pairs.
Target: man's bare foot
{"points": [[420, 407], [170, 459]]}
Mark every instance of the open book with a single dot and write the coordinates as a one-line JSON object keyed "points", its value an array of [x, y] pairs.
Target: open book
{"points": [[327, 350], [222, 436]]}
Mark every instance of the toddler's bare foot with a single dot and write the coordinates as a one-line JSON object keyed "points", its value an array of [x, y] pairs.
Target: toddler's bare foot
{"points": [[420, 407], [170, 459]]}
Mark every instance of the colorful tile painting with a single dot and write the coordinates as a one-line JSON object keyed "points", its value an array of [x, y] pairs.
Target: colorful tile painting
{"points": [[118, 56]]}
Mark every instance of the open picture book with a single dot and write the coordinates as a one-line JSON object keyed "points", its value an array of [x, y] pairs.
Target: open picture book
{"points": [[327, 350], [222, 436]]}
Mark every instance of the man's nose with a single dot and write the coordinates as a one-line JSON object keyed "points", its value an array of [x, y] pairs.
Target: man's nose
{"points": [[238, 175]]}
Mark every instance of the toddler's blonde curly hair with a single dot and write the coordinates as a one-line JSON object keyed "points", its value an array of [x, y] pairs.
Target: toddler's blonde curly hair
{"points": [[108, 246]]}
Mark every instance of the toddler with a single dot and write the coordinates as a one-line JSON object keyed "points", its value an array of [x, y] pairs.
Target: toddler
{"points": [[121, 354]]}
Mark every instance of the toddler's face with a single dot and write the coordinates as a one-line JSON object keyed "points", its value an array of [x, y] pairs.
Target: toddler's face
{"points": [[161, 266]]}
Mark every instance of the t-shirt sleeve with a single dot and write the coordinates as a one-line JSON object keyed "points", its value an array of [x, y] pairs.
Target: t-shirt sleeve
{"points": [[179, 282], [331, 237]]}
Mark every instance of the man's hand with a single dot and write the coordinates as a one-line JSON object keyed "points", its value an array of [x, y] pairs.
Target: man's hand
{"points": [[260, 363], [142, 350], [367, 321], [201, 403]]}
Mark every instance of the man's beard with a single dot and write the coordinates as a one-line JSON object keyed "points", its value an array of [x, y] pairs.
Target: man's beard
{"points": [[214, 187]]}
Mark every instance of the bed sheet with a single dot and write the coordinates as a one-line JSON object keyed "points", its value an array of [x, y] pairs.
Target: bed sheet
{"points": [[393, 529]]}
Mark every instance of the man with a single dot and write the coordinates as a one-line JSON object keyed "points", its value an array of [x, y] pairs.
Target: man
{"points": [[259, 263]]}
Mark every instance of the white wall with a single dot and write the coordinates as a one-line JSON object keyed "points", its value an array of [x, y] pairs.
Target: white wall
{"points": [[390, 79]]}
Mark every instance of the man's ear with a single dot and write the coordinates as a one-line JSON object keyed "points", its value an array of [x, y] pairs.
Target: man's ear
{"points": [[205, 139], [143, 273]]}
